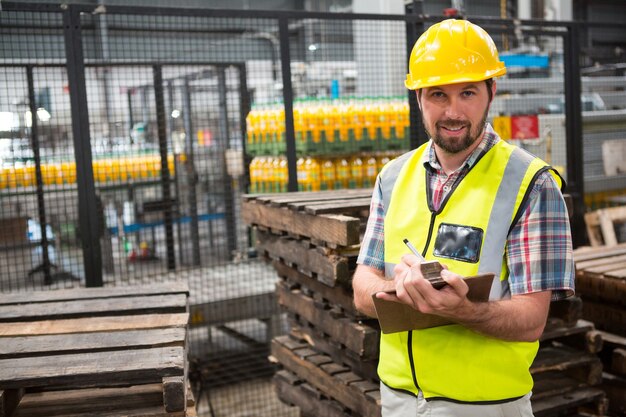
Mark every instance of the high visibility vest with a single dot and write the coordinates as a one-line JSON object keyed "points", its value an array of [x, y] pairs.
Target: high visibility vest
{"points": [[453, 361]]}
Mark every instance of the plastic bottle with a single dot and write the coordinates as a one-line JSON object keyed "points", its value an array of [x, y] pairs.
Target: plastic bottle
{"points": [[4, 178], [267, 176], [49, 173], [345, 120], [370, 171], [356, 172], [30, 178], [342, 167], [299, 125], [255, 175], [328, 174], [279, 171], [382, 159], [303, 175], [358, 120], [402, 115], [384, 118], [315, 124], [252, 125]]}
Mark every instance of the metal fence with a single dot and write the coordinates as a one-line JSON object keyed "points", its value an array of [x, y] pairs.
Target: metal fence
{"points": [[128, 136]]}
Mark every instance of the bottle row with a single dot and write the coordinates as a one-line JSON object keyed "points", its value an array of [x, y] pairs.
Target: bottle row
{"points": [[327, 126], [268, 174], [143, 167]]}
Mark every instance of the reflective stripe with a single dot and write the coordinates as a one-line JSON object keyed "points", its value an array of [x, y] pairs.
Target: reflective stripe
{"points": [[389, 176], [497, 230]]}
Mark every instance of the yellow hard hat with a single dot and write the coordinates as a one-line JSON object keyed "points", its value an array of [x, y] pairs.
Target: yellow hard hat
{"points": [[453, 51]]}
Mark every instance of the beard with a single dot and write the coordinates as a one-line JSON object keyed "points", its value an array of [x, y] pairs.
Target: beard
{"points": [[457, 144]]}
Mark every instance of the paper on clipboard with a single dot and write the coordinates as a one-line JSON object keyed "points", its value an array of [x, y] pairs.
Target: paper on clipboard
{"points": [[397, 317]]}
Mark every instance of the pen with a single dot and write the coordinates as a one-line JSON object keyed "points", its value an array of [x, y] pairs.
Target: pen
{"points": [[413, 250]]}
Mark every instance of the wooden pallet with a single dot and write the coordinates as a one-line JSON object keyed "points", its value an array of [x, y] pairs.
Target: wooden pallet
{"points": [[95, 338], [331, 379], [325, 265], [146, 400], [601, 282], [613, 356], [300, 215], [601, 225], [357, 337]]}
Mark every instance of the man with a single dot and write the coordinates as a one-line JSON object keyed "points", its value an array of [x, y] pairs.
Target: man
{"points": [[464, 185]]}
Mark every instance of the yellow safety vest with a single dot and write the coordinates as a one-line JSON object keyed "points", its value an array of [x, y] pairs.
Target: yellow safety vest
{"points": [[452, 361]]}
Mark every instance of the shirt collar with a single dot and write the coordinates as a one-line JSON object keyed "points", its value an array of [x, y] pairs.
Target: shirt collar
{"points": [[490, 138]]}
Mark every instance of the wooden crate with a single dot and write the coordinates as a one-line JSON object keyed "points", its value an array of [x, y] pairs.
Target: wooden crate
{"points": [[95, 338]]}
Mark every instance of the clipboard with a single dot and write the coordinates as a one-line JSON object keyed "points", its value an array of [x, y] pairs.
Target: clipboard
{"points": [[397, 317]]}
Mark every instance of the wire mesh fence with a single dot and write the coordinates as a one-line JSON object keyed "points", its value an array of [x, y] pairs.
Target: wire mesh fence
{"points": [[188, 110]]}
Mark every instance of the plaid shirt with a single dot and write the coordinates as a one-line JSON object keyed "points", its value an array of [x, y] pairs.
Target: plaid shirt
{"points": [[539, 248]]}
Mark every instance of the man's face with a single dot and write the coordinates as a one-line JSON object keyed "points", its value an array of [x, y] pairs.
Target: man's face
{"points": [[454, 115]]}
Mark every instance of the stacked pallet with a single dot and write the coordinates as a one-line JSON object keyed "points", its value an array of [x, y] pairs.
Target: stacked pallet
{"points": [[95, 352], [329, 357], [601, 283]]}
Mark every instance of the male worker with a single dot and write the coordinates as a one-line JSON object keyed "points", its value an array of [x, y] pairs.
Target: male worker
{"points": [[465, 184]]}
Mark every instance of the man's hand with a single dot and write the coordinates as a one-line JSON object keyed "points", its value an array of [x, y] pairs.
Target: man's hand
{"points": [[413, 289]]}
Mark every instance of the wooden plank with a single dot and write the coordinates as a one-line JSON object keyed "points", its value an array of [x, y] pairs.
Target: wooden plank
{"points": [[365, 368], [569, 310], [344, 206], [618, 362], [348, 395], [93, 369], [551, 383], [606, 225], [170, 287], [174, 393], [46, 345], [601, 270], [9, 400], [139, 400], [176, 303], [609, 290], [281, 199], [581, 336], [570, 401], [94, 324], [606, 317], [338, 296], [330, 269], [617, 274], [585, 254], [310, 401], [615, 388], [360, 338], [582, 266], [333, 228], [257, 306], [582, 366]]}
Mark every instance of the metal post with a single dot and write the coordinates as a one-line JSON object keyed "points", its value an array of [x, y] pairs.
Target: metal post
{"points": [[192, 175], [171, 130], [573, 131], [244, 109], [231, 224], [165, 171], [87, 204], [131, 122], [290, 136], [413, 31], [41, 208]]}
